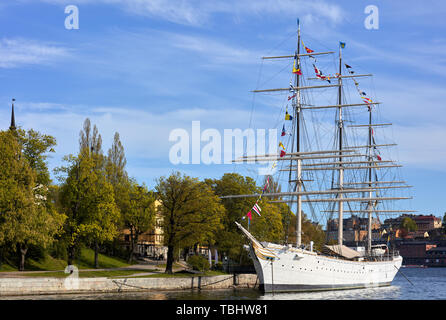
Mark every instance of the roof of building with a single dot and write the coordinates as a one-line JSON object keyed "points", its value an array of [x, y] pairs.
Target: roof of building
{"points": [[421, 217], [438, 249]]}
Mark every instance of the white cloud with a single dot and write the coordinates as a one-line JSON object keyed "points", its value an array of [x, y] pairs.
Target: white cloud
{"points": [[18, 52], [422, 146], [215, 51], [426, 60], [144, 134], [200, 12]]}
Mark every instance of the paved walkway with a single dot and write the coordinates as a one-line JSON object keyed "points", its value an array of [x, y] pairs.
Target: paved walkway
{"points": [[145, 264]]}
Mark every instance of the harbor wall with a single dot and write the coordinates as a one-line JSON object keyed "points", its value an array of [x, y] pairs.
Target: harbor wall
{"points": [[30, 286]]}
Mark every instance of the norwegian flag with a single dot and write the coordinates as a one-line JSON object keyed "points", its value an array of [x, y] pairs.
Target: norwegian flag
{"points": [[257, 209], [320, 75]]}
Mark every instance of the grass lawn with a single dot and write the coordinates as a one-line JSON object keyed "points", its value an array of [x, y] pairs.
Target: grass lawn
{"points": [[120, 273], [88, 274], [86, 261], [174, 265], [183, 274]]}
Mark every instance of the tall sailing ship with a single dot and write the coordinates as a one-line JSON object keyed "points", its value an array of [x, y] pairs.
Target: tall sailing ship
{"points": [[345, 175]]}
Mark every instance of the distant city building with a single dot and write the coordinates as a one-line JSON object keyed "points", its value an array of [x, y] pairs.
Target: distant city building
{"points": [[354, 229], [150, 243], [414, 252], [436, 257], [425, 225]]}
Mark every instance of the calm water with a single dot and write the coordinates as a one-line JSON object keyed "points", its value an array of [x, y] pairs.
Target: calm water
{"points": [[427, 284]]}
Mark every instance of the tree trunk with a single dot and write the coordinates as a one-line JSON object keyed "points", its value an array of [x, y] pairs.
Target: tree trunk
{"points": [[169, 262], [71, 254], [132, 247], [170, 245], [96, 253], [130, 258], [186, 253]]}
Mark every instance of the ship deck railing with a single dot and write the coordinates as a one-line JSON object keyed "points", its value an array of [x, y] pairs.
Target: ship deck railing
{"points": [[382, 257], [367, 257]]}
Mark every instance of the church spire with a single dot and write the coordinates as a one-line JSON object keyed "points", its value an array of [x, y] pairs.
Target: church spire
{"points": [[12, 127]]}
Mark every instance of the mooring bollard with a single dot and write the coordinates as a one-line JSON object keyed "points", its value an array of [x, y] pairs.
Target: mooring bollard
{"points": [[235, 280]]}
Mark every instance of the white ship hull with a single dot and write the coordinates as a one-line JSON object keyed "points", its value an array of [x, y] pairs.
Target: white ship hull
{"points": [[294, 269]]}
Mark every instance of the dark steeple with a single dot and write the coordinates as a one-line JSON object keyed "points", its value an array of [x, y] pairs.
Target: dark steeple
{"points": [[12, 127]]}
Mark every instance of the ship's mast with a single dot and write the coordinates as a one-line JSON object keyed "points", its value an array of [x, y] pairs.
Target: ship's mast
{"points": [[296, 105], [370, 203], [341, 170]]}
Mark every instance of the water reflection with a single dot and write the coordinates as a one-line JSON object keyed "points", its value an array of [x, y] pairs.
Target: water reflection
{"points": [[387, 293]]}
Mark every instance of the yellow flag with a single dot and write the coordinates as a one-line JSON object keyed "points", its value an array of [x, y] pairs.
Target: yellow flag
{"points": [[296, 70], [281, 145]]}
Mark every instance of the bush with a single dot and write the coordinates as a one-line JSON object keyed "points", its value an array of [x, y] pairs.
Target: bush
{"points": [[35, 253], [218, 266], [199, 263], [58, 250]]}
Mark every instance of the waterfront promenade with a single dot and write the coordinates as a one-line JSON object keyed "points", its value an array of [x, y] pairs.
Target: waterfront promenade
{"points": [[141, 277]]}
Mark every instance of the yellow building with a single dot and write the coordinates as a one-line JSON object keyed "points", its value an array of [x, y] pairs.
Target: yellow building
{"points": [[151, 243]]}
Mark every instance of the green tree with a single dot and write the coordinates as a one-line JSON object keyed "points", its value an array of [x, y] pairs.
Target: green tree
{"points": [[90, 139], [117, 175], [276, 224], [408, 225], [140, 214], [116, 162], [229, 239], [26, 216], [268, 226], [88, 201], [312, 232], [87, 196], [191, 213], [35, 148]]}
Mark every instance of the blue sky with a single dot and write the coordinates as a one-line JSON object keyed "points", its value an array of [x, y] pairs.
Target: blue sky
{"points": [[146, 67]]}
